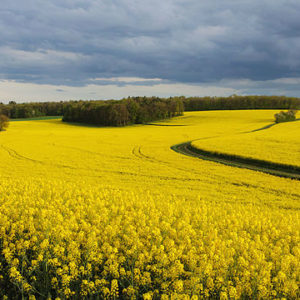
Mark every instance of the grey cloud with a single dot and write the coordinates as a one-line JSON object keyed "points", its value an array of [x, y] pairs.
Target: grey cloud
{"points": [[73, 42]]}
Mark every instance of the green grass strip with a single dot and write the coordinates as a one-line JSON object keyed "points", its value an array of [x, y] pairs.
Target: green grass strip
{"points": [[281, 170], [36, 118]]}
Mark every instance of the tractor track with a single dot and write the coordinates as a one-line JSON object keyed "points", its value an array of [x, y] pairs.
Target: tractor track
{"points": [[275, 169], [137, 151]]}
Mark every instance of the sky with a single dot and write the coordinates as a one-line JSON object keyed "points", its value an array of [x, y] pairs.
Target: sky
{"points": [[109, 49]]}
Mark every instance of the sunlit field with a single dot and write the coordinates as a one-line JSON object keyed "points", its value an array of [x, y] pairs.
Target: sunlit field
{"points": [[115, 213], [279, 143]]}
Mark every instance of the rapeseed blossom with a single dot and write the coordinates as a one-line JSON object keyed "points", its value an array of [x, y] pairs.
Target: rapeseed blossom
{"points": [[277, 144], [135, 244], [114, 213]]}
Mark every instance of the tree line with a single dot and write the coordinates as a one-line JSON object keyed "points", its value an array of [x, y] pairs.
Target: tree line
{"points": [[15, 110], [132, 110], [138, 110], [240, 102]]}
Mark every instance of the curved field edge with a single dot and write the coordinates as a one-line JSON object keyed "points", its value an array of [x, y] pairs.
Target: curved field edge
{"points": [[277, 144], [281, 170]]}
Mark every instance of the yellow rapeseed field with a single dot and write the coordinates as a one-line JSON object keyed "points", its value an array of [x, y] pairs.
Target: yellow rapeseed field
{"points": [[114, 213], [279, 143]]}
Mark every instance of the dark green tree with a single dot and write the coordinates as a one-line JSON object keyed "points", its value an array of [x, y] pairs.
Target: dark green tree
{"points": [[4, 122]]}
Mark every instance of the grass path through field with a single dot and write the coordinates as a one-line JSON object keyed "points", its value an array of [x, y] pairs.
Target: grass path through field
{"points": [[236, 160], [280, 170]]}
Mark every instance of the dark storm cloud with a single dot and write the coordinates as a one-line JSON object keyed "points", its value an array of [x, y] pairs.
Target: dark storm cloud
{"points": [[74, 42]]}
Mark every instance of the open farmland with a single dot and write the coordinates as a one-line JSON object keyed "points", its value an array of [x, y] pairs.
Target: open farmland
{"points": [[114, 212], [279, 143]]}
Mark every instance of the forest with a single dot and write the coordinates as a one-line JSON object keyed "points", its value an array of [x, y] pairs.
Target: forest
{"points": [[135, 110], [240, 102], [15, 110], [139, 110]]}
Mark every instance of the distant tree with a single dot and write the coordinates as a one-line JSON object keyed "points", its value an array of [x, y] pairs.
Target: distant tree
{"points": [[285, 116], [4, 122]]}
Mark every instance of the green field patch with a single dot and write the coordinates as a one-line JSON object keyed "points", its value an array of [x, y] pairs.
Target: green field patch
{"points": [[36, 118]]}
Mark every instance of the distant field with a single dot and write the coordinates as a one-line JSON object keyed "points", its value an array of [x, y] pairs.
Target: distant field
{"points": [[114, 212], [279, 143]]}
